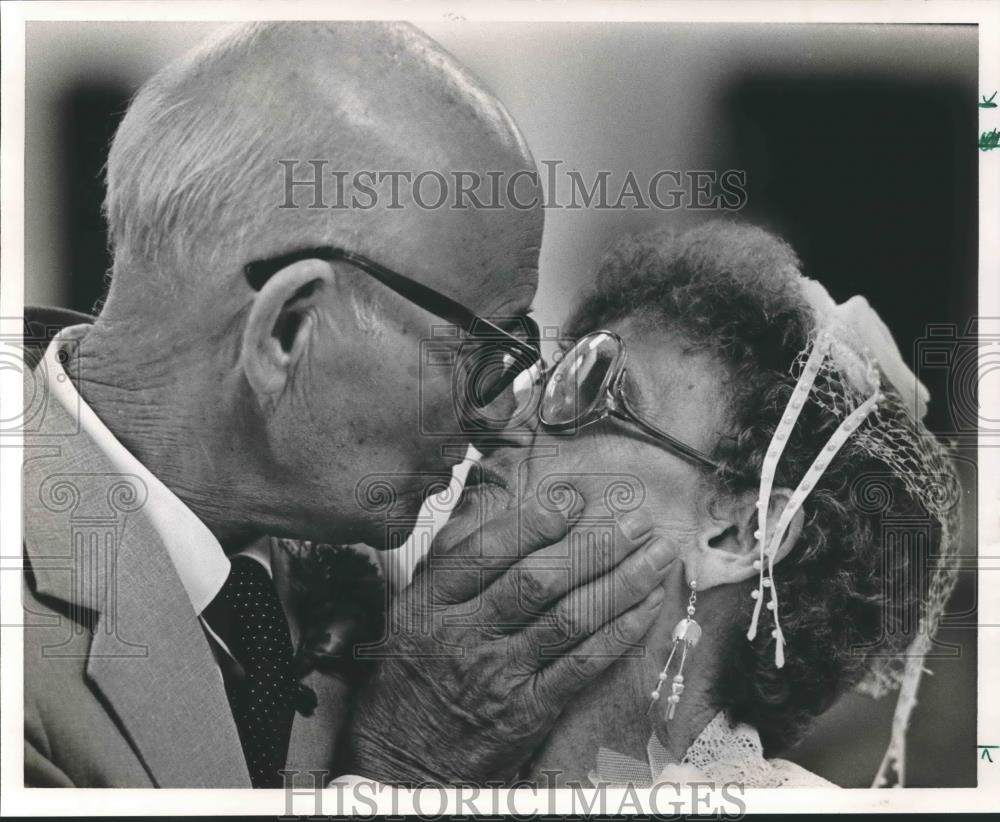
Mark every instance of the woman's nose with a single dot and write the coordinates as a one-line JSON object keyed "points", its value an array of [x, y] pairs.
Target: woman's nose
{"points": [[515, 414]]}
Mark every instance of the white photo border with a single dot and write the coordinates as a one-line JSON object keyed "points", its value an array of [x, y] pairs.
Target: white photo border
{"points": [[16, 799]]}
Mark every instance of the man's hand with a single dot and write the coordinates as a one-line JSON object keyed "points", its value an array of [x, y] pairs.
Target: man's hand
{"points": [[494, 636]]}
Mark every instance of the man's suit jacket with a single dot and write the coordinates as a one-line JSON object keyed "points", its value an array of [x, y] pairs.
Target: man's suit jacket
{"points": [[121, 685]]}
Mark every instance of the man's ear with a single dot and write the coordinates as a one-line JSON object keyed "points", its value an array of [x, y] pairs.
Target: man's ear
{"points": [[279, 326], [727, 544]]}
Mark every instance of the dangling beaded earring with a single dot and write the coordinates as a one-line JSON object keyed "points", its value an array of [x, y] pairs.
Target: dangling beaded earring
{"points": [[686, 634]]}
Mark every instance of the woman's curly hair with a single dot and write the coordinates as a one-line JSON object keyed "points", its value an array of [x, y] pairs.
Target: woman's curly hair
{"points": [[732, 290]]}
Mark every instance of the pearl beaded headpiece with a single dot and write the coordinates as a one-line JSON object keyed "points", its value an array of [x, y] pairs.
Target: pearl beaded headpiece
{"points": [[851, 357], [768, 543]]}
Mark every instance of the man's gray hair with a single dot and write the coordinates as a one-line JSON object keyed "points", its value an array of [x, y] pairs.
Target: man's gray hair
{"points": [[180, 168], [193, 182]]}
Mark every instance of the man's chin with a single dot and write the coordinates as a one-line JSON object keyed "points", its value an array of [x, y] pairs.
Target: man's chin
{"points": [[394, 526]]}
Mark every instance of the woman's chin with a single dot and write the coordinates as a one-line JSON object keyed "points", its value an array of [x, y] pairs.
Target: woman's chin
{"points": [[478, 503], [485, 500]]}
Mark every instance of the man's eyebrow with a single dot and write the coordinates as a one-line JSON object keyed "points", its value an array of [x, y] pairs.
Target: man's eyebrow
{"points": [[513, 321]]}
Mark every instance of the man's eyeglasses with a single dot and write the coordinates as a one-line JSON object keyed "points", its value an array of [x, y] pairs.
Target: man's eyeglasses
{"points": [[500, 355], [585, 386]]}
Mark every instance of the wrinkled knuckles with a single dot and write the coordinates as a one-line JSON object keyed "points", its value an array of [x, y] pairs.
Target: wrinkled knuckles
{"points": [[535, 590], [542, 526]]}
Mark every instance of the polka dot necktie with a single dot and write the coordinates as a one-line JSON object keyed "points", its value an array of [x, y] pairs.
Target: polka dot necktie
{"points": [[247, 614]]}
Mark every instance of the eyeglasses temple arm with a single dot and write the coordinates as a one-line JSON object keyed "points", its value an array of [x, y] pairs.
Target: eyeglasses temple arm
{"points": [[434, 301], [624, 411], [257, 273]]}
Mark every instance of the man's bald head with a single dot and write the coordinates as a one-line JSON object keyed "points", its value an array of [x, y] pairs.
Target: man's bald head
{"points": [[280, 397], [194, 182]]}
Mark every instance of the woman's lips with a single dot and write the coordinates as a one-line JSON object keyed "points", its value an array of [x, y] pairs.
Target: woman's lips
{"points": [[481, 474]]}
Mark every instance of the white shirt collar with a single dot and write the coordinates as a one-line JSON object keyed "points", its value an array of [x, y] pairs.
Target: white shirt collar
{"points": [[197, 556]]}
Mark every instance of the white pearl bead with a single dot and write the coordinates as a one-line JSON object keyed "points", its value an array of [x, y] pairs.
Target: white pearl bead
{"points": [[755, 594], [654, 696], [756, 564], [662, 677]]}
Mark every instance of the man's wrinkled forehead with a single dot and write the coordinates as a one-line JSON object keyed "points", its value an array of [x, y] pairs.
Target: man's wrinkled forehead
{"points": [[486, 259], [503, 270]]}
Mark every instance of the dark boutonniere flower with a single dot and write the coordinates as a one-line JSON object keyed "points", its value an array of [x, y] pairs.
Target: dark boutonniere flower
{"points": [[339, 596]]}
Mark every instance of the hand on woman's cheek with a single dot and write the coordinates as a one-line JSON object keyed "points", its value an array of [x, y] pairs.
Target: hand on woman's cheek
{"points": [[616, 473]]}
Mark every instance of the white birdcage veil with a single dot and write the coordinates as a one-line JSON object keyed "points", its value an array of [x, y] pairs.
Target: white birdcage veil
{"points": [[853, 371]]}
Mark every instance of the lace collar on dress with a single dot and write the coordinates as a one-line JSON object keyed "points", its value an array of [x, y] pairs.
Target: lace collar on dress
{"points": [[725, 752]]}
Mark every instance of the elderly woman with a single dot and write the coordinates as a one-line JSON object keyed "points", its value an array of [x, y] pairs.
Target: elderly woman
{"points": [[769, 432]]}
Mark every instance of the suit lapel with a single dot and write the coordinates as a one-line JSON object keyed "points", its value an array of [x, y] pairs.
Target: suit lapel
{"points": [[90, 545], [171, 699]]}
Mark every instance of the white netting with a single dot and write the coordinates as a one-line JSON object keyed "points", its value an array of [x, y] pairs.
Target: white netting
{"points": [[915, 458], [894, 435]]}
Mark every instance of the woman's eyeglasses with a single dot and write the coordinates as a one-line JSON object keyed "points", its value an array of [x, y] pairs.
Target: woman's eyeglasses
{"points": [[491, 357], [585, 386]]}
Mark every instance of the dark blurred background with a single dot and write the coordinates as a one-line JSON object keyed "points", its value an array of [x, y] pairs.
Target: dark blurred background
{"points": [[859, 146]]}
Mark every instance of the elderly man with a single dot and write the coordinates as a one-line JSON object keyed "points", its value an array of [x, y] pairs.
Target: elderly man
{"points": [[253, 366]]}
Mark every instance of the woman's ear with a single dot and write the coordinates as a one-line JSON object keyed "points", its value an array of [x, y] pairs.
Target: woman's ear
{"points": [[727, 543], [279, 326]]}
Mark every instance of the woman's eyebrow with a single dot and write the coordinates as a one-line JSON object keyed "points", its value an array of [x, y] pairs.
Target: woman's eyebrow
{"points": [[645, 398], [634, 392]]}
